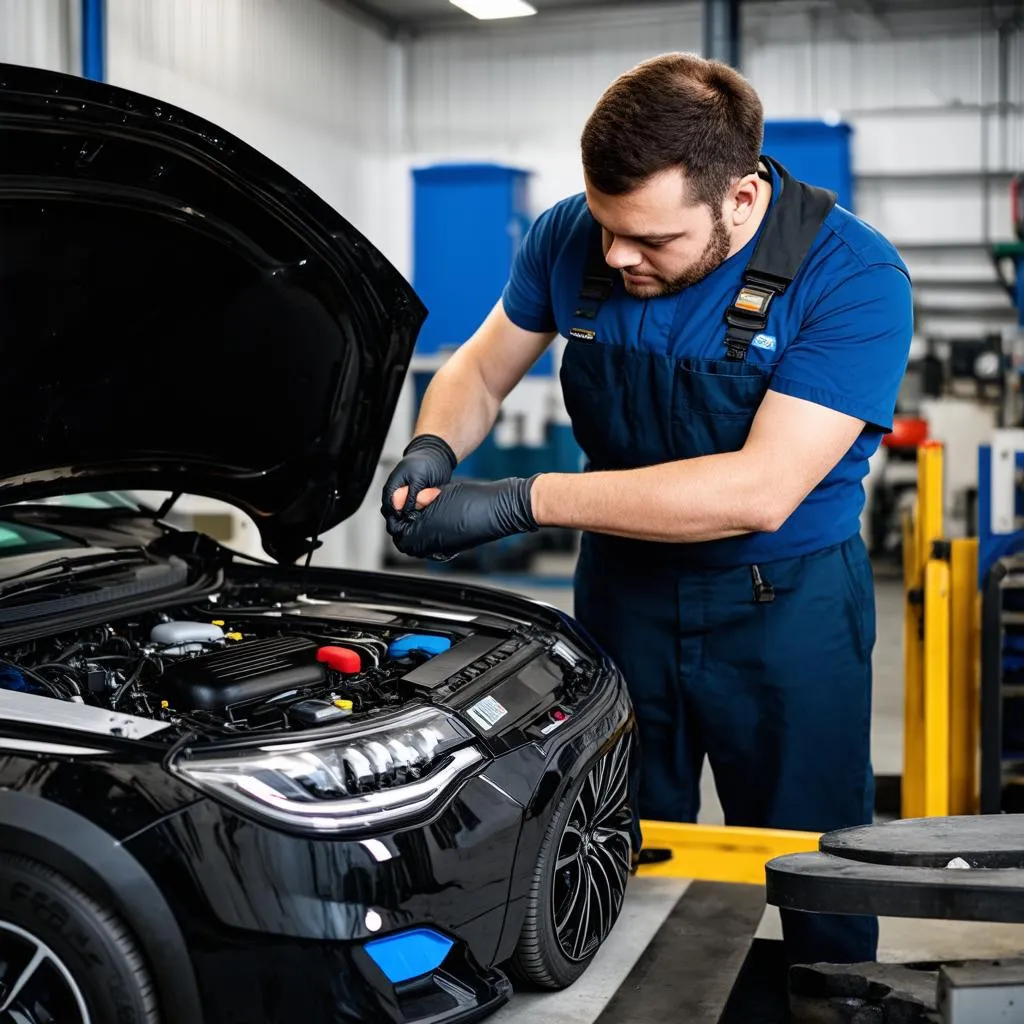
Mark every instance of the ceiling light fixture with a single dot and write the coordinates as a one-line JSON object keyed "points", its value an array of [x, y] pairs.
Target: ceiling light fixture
{"points": [[489, 10]]}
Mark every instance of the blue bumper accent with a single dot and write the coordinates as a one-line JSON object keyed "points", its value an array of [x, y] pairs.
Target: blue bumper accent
{"points": [[409, 954]]}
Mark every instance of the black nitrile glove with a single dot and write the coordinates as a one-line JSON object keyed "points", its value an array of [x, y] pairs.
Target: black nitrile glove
{"points": [[464, 515], [428, 461]]}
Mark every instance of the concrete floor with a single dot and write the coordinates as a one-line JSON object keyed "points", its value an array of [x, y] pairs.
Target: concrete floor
{"points": [[650, 900]]}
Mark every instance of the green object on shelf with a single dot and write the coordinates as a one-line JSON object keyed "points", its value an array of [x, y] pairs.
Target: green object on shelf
{"points": [[1002, 250]]}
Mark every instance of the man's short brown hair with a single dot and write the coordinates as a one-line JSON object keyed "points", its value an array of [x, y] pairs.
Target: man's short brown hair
{"points": [[676, 110]]}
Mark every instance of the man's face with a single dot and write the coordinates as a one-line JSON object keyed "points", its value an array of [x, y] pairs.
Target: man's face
{"points": [[656, 238]]}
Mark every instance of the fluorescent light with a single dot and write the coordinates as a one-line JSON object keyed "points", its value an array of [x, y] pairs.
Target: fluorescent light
{"points": [[487, 10]]}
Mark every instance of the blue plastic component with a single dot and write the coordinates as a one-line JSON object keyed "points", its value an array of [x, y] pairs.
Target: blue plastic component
{"points": [[419, 643], [1019, 289], [409, 954], [816, 152], [12, 679]]}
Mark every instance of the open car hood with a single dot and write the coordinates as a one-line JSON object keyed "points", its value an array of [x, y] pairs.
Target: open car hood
{"points": [[179, 313]]}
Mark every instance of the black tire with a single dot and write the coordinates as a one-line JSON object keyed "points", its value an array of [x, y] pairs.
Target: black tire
{"points": [[546, 957], [92, 944]]}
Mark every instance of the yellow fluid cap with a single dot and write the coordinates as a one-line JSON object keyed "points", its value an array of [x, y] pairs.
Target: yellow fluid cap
{"points": [[345, 705], [217, 622], [165, 704], [233, 636]]}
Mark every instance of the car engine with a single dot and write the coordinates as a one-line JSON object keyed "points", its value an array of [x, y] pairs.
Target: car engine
{"points": [[214, 673]]}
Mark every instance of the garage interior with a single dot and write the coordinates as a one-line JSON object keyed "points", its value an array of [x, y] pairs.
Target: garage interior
{"points": [[441, 136]]}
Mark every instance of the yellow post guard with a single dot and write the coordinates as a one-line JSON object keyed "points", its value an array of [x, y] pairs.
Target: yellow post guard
{"points": [[719, 853], [930, 491], [936, 688], [919, 536], [912, 791], [964, 681]]}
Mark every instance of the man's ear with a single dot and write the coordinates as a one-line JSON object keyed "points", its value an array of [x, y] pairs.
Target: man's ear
{"points": [[742, 200]]}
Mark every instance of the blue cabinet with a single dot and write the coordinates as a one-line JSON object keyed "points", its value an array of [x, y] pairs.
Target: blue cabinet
{"points": [[816, 152]]}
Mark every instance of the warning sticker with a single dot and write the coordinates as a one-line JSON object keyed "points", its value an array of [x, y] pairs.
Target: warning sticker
{"points": [[487, 713]]}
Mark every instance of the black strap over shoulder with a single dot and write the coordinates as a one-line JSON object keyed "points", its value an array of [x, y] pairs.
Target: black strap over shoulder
{"points": [[598, 277], [596, 287], [790, 227]]}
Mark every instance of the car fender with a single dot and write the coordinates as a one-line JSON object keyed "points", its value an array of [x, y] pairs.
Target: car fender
{"points": [[46, 832]]}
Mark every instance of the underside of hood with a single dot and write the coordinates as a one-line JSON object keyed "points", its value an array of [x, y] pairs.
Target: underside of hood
{"points": [[179, 313]]}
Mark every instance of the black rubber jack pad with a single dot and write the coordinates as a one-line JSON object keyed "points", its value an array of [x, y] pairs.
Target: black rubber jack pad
{"points": [[968, 868]]}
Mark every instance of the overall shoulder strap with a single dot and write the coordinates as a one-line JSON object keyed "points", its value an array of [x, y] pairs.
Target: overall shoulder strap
{"points": [[598, 278], [596, 285], [791, 225]]}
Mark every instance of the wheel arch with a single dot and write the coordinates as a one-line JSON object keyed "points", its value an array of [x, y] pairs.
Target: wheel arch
{"points": [[91, 858], [572, 762]]}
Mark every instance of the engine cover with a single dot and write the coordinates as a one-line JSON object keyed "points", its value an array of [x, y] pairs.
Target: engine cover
{"points": [[246, 671]]}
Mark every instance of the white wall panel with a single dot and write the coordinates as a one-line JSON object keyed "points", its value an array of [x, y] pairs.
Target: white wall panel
{"points": [[809, 77], [36, 33], [300, 80], [530, 86]]}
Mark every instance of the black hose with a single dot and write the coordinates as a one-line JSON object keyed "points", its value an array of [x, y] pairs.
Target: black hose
{"points": [[70, 650], [131, 681], [68, 678]]}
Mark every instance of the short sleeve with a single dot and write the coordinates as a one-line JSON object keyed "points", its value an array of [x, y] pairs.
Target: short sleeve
{"points": [[527, 295], [851, 353]]}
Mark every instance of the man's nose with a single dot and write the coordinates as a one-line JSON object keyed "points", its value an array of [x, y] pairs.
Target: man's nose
{"points": [[621, 255]]}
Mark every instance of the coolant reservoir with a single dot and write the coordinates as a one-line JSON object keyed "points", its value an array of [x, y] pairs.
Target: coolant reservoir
{"points": [[185, 637]]}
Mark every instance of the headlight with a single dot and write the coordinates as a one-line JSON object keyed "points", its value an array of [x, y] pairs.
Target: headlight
{"points": [[378, 773]]}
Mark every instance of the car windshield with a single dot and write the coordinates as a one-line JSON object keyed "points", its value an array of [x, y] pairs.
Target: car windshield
{"points": [[94, 499], [18, 539]]}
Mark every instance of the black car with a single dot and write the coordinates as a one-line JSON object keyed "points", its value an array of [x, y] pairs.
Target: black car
{"points": [[243, 792]]}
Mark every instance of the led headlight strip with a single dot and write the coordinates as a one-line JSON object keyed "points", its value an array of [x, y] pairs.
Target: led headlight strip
{"points": [[376, 774]]}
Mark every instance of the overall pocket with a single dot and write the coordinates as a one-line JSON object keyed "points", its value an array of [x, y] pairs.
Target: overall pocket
{"points": [[714, 404], [633, 408]]}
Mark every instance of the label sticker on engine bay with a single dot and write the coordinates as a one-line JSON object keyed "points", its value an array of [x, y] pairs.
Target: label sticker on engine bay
{"points": [[487, 713]]}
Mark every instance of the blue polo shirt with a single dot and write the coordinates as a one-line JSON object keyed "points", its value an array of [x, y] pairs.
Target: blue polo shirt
{"points": [[839, 337]]}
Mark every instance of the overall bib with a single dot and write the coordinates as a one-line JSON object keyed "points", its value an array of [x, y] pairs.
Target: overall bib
{"points": [[766, 669]]}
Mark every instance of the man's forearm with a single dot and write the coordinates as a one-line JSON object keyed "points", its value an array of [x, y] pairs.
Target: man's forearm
{"points": [[458, 407], [683, 502]]}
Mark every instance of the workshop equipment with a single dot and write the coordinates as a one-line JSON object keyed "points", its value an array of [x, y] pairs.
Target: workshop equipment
{"points": [[968, 868]]}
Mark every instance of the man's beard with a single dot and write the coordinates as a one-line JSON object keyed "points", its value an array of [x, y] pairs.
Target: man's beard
{"points": [[713, 256]]}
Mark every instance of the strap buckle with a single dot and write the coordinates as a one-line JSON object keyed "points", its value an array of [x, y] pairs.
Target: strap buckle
{"points": [[736, 347], [753, 300], [746, 317]]}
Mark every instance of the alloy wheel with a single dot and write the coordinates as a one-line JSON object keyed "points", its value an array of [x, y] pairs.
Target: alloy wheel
{"points": [[35, 985], [593, 859]]}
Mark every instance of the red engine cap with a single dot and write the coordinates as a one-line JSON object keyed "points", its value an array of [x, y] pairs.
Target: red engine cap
{"points": [[341, 659]]}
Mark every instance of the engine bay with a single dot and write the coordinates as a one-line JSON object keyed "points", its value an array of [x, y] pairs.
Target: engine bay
{"points": [[259, 667]]}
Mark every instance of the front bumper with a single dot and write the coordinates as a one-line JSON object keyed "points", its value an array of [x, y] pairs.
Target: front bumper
{"points": [[278, 924], [246, 979]]}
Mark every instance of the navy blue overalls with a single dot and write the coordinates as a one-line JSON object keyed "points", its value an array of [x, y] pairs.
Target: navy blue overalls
{"points": [[765, 668]]}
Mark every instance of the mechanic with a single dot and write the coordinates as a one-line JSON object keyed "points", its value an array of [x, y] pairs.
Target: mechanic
{"points": [[734, 346]]}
